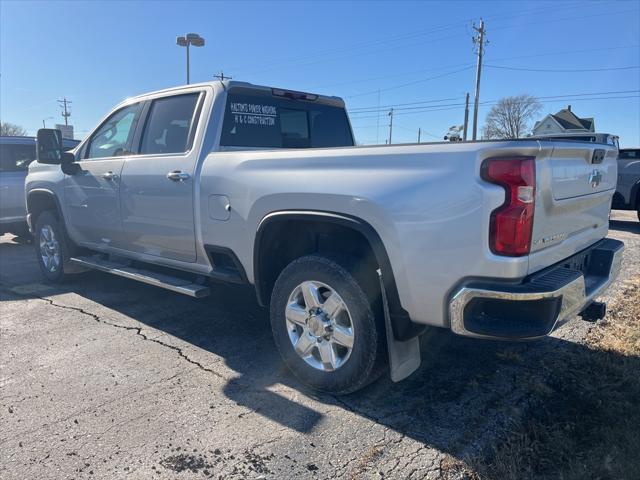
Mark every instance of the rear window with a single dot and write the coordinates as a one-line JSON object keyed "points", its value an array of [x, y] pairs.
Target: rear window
{"points": [[629, 154], [268, 122]]}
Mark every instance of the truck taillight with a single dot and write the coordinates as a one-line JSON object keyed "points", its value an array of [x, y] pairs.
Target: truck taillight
{"points": [[511, 223]]}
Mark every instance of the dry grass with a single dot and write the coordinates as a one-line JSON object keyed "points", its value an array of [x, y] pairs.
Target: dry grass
{"points": [[585, 415]]}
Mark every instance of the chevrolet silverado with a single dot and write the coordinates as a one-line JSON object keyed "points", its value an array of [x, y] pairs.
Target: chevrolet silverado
{"points": [[354, 249]]}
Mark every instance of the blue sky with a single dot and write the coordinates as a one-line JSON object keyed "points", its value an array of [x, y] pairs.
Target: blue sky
{"points": [[98, 53]]}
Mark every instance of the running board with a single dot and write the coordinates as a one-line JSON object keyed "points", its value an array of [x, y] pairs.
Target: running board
{"points": [[175, 284]]}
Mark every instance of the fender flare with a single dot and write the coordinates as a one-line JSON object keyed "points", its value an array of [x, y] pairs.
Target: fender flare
{"points": [[48, 193], [403, 327]]}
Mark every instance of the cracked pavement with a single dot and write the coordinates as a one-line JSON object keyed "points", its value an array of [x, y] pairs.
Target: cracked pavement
{"points": [[103, 377]]}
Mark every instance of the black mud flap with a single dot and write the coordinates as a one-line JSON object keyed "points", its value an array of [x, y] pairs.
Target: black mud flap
{"points": [[404, 357]]}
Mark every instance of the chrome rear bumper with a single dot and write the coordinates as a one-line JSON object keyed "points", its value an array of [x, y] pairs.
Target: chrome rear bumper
{"points": [[536, 306]]}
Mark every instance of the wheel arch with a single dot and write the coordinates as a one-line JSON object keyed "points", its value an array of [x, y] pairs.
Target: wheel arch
{"points": [[310, 226], [40, 200]]}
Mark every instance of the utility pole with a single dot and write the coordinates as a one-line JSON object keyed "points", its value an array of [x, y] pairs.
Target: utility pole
{"points": [[378, 120], [419, 132], [466, 118], [390, 124], [221, 76], [66, 113], [478, 40]]}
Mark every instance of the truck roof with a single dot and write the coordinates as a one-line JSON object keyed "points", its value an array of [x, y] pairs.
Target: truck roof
{"points": [[229, 85]]}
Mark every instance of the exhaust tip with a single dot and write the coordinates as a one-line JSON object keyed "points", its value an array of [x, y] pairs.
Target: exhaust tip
{"points": [[594, 311]]}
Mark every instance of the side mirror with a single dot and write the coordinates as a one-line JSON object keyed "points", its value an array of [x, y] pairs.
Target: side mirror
{"points": [[68, 164], [49, 146]]}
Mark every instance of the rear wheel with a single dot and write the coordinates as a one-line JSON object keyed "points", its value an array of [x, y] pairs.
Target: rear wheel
{"points": [[324, 326], [51, 246]]}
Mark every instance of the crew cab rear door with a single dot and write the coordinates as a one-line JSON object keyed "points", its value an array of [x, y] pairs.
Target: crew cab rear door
{"points": [[157, 186]]}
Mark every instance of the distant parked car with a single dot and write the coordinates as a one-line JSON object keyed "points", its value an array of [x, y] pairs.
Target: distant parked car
{"points": [[16, 153], [627, 196]]}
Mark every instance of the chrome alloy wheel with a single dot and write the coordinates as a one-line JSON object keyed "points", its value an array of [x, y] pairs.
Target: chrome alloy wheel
{"points": [[319, 326], [49, 249]]}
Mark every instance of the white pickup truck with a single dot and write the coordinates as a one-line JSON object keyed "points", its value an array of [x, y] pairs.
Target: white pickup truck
{"points": [[354, 249]]}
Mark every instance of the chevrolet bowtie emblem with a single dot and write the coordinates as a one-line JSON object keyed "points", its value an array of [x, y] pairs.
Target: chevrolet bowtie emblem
{"points": [[595, 178]]}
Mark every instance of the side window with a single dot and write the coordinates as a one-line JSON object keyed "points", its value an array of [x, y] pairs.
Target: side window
{"points": [[113, 137], [169, 124], [14, 158]]}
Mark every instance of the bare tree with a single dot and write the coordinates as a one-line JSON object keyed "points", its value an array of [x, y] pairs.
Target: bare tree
{"points": [[511, 117], [11, 130]]}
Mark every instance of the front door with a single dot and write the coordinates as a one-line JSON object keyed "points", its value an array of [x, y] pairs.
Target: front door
{"points": [[157, 185], [92, 193]]}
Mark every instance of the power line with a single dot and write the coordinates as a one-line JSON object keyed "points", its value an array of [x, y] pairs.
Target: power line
{"points": [[499, 59], [410, 83], [550, 99], [604, 69], [406, 106], [295, 60], [386, 107], [529, 23], [564, 52], [541, 101], [552, 20]]}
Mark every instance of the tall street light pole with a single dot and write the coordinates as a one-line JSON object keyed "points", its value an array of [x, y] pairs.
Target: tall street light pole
{"points": [[188, 40]]}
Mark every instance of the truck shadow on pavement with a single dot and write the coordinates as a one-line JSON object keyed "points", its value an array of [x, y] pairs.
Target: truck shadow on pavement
{"points": [[625, 226], [466, 394]]}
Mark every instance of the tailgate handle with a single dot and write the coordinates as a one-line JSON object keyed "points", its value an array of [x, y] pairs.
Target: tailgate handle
{"points": [[598, 156]]}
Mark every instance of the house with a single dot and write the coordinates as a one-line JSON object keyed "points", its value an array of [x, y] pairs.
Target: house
{"points": [[565, 121]]}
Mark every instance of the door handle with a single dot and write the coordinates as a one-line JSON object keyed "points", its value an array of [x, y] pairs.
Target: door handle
{"points": [[178, 176], [110, 176]]}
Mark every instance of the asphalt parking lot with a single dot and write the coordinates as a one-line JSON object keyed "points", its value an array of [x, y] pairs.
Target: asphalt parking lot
{"points": [[107, 378]]}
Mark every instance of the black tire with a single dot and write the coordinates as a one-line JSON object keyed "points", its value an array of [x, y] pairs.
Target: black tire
{"points": [[368, 357], [58, 274]]}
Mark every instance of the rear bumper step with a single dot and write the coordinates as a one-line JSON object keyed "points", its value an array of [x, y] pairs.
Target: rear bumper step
{"points": [[175, 284], [541, 302]]}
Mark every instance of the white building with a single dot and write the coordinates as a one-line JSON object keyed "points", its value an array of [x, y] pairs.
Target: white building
{"points": [[565, 121]]}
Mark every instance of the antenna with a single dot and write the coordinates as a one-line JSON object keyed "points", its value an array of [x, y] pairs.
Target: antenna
{"points": [[220, 76]]}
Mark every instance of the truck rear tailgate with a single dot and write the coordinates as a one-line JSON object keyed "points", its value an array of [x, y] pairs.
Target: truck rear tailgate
{"points": [[575, 183]]}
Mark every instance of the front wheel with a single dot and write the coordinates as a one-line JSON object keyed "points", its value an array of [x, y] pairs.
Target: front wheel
{"points": [[52, 250], [324, 326]]}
